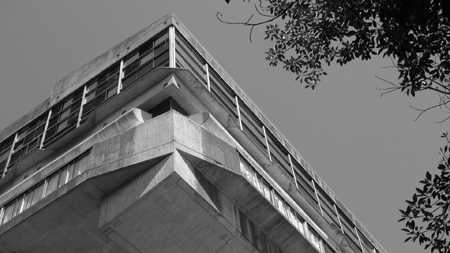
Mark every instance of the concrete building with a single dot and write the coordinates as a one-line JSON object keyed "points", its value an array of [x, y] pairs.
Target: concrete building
{"points": [[152, 147]]}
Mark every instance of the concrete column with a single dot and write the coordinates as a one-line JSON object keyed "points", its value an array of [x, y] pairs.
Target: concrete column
{"points": [[83, 98], [172, 51], [238, 111], [41, 145], [208, 83]]}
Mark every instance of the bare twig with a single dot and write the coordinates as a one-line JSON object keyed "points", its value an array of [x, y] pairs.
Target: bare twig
{"points": [[219, 16]]}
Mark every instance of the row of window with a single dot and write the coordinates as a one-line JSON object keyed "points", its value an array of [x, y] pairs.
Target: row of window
{"points": [[282, 206], [254, 129], [75, 109], [44, 188], [152, 54], [187, 57]]}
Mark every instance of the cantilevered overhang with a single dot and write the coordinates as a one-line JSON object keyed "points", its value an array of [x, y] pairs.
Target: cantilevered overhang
{"points": [[147, 190]]}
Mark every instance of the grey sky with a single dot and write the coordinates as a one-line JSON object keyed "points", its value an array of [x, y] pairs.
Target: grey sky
{"points": [[369, 150]]}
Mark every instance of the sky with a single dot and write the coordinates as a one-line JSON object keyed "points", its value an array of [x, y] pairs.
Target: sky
{"points": [[369, 149]]}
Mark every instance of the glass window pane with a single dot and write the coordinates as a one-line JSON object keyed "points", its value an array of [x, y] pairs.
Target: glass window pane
{"points": [[32, 126], [161, 59], [114, 69], [70, 171], [129, 69], [113, 80], [162, 39], [33, 145], [147, 58], [129, 80], [27, 200], [19, 144], [131, 59], [147, 68], [73, 118], [39, 131], [18, 207], [67, 104], [75, 106], [56, 109], [102, 87], [63, 177], [145, 48], [101, 78], [8, 212], [78, 94], [50, 132], [92, 86], [87, 107], [53, 121], [42, 121], [37, 193], [82, 164], [62, 125], [112, 92], [29, 137], [99, 99], [160, 49], [22, 134], [64, 114], [52, 183], [89, 97], [15, 157]]}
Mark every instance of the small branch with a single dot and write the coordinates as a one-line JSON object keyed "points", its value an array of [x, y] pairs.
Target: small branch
{"points": [[219, 16]]}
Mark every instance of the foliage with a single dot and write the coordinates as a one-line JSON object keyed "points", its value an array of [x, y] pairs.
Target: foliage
{"points": [[428, 213], [414, 33]]}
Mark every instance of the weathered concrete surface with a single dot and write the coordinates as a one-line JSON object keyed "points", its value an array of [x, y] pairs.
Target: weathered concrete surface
{"points": [[129, 120], [140, 194]]}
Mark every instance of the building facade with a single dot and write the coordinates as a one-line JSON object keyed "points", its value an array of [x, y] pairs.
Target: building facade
{"points": [[152, 147]]}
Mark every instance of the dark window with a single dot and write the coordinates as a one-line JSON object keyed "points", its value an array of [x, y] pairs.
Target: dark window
{"points": [[100, 89], [166, 106], [187, 56], [152, 54], [64, 116], [28, 138], [5, 150]]}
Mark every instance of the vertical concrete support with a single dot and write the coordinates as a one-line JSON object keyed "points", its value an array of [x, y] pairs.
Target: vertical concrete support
{"points": [[9, 156], [293, 171], [83, 98], [317, 197], [121, 74], [359, 239], [339, 218], [267, 143], [41, 145], [238, 111], [172, 47], [208, 83]]}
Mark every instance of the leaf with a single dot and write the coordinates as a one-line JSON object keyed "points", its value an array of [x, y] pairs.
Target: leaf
{"points": [[428, 175]]}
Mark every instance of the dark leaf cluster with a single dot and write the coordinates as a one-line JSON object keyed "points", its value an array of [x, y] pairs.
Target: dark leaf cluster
{"points": [[310, 33], [427, 214]]}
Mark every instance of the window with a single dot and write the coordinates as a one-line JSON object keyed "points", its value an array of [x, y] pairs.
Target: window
{"points": [[187, 56], [28, 138], [37, 192], [64, 116], [5, 150], [152, 54], [101, 88], [165, 106]]}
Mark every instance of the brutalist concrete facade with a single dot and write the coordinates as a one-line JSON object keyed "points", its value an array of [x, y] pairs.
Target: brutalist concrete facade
{"points": [[152, 147]]}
